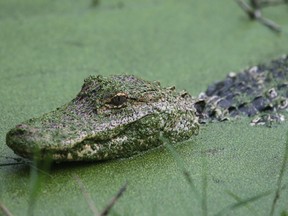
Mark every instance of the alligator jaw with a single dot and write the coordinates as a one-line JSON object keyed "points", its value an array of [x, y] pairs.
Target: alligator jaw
{"points": [[31, 142], [55, 135], [67, 135]]}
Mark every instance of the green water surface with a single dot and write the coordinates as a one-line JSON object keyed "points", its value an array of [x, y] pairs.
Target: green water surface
{"points": [[47, 48]]}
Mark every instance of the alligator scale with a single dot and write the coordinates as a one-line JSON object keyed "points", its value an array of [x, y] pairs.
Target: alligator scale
{"points": [[122, 115]]}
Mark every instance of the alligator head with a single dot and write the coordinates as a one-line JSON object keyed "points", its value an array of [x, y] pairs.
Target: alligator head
{"points": [[111, 117]]}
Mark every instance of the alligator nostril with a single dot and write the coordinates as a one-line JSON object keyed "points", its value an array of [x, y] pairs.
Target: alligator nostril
{"points": [[19, 132]]}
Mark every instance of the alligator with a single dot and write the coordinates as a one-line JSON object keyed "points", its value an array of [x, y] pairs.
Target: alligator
{"points": [[121, 115]]}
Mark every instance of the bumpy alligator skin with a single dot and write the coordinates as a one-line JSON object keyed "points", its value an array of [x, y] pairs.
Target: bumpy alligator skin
{"points": [[259, 89], [120, 116]]}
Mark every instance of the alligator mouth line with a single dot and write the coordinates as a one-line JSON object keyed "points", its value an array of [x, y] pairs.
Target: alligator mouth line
{"points": [[32, 143], [18, 139]]}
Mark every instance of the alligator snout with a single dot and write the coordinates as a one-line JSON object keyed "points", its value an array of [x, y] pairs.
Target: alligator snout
{"points": [[22, 140]]}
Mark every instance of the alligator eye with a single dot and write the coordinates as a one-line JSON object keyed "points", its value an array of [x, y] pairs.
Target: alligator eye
{"points": [[118, 100]]}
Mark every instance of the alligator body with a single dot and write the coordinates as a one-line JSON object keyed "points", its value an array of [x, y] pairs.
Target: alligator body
{"points": [[120, 116]]}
